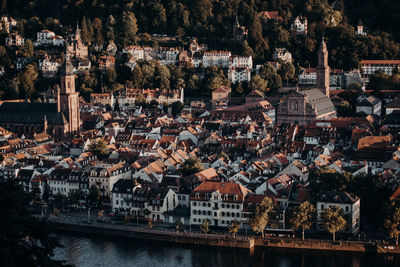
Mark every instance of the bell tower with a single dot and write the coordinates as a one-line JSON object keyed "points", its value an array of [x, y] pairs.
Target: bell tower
{"points": [[323, 70], [69, 99]]}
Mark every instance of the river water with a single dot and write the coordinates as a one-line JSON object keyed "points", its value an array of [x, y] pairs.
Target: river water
{"points": [[103, 251]]}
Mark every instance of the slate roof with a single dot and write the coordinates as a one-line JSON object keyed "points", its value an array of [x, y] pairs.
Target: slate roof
{"points": [[339, 197], [321, 102], [369, 101], [31, 113]]}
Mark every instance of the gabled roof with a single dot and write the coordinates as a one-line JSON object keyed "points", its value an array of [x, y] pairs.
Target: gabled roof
{"points": [[339, 197]]}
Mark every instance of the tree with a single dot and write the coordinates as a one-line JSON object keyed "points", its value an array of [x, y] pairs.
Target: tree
{"points": [[127, 29], [233, 228], [26, 50], [28, 79], [392, 221], [205, 226], [333, 220], [97, 27], [178, 225], [176, 107], [287, 71], [257, 83], [24, 238], [262, 215], [344, 109], [99, 148], [150, 224], [94, 194], [303, 217], [191, 166]]}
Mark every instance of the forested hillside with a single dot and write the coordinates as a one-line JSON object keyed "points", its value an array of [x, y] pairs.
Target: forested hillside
{"points": [[104, 19]]}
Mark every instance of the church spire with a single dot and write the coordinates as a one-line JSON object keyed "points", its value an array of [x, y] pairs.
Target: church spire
{"points": [[323, 70]]}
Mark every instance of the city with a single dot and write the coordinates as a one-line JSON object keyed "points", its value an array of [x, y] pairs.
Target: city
{"points": [[278, 135]]}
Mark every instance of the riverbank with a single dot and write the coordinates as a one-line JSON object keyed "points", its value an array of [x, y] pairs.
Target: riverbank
{"points": [[217, 240]]}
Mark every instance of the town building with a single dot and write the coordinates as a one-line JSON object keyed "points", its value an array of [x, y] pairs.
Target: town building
{"points": [[282, 54], [136, 51], [304, 107], [216, 58], [241, 62], [240, 33], [46, 37], [106, 62], [105, 176], [14, 39], [75, 47], [220, 97], [102, 98], [369, 105], [58, 119], [219, 202], [300, 25], [369, 67], [48, 68], [337, 78], [348, 203], [236, 75], [361, 30]]}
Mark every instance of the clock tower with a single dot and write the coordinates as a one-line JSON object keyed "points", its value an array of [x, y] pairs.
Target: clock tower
{"points": [[68, 98]]}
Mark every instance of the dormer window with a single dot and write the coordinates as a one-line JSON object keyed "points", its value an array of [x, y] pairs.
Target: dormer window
{"points": [[235, 197], [226, 197], [197, 195]]}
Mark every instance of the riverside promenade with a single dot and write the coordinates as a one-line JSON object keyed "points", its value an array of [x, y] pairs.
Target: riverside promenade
{"points": [[215, 239]]}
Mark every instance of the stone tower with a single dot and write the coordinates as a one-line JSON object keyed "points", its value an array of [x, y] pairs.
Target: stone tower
{"points": [[323, 70], [68, 98]]}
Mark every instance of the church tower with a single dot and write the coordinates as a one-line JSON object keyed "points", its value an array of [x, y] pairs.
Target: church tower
{"points": [[69, 99], [323, 70]]}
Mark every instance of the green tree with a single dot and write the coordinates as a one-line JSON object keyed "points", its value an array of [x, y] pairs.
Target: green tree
{"points": [[94, 194], [392, 221], [262, 215], [233, 228], [176, 107], [287, 71], [24, 238], [333, 220], [28, 79], [109, 28], [85, 32], [99, 148], [303, 217], [205, 226], [26, 50], [127, 29], [344, 109], [258, 83], [97, 26], [191, 166]]}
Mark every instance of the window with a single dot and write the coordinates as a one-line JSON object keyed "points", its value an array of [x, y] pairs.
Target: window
{"points": [[194, 203], [322, 207], [223, 205], [347, 208]]}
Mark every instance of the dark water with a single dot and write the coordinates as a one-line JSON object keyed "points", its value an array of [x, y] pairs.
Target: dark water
{"points": [[103, 251]]}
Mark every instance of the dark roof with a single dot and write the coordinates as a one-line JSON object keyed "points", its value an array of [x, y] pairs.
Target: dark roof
{"points": [[31, 113], [339, 197], [369, 101], [122, 186], [394, 104]]}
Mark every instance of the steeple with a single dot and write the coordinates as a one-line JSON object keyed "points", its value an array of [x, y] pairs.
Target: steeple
{"points": [[77, 32], [323, 70], [236, 24]]}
